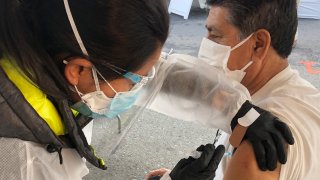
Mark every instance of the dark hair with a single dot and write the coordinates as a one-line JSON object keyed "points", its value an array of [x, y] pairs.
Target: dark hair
{"points": [[37, 36], [279, 17]]}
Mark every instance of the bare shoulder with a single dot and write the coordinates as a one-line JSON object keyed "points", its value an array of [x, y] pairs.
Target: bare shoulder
{"points": [[243, 166]]}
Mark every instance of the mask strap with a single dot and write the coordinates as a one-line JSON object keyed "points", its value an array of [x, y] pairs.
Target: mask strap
{"points": [[79, 93], [129, 75], [246, 66], [105, 80], [242, 42], [74, 27], [95, 78]]}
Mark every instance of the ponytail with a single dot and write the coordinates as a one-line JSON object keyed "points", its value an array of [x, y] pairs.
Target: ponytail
{"points": [[20, 44]]}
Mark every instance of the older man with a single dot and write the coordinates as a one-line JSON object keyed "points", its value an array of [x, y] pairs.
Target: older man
{"points": [[251, 42], [266, 30]]}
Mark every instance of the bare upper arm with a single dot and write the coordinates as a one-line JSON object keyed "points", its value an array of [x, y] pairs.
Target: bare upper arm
{"points": [[243, 166]]}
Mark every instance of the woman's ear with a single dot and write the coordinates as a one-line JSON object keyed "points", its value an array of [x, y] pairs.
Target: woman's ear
{"points": [[262, 44], [74, 70]]}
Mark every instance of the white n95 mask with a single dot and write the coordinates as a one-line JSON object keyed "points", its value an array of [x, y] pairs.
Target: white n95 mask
{"points": [[218, 55], [97, 105]]}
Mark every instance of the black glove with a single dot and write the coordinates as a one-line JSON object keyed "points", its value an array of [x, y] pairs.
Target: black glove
{"points": [[268, 136], [203, 168]]}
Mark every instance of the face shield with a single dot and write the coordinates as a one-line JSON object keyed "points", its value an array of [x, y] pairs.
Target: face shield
{"points": [[184, 88], [194, 91]]}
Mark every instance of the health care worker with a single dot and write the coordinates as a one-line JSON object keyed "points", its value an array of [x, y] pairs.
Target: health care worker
{"points": [[52, 85], [51, 88]]}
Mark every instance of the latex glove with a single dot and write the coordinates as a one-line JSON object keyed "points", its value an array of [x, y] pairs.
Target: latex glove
{"points": [[202, 168], [268, 136]]}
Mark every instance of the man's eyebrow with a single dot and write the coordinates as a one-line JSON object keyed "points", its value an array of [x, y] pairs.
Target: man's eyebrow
{"points": [[211, 28]]}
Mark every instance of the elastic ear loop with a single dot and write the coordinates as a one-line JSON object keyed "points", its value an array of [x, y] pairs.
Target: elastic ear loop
{"points": [[136, 79], [246, 66], [95, 78], [238, 45], [242, 42], [95, 71], [79, 93]]}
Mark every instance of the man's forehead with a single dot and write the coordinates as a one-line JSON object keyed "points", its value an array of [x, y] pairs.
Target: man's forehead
{"points": [[217, 18]]}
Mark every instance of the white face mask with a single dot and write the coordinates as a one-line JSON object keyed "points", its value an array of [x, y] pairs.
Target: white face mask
{"points": [[97, 105], [218, 55]]}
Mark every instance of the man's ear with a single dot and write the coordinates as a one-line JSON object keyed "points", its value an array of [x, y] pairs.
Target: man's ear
{"points": [[262, 44], [74, 70]]}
